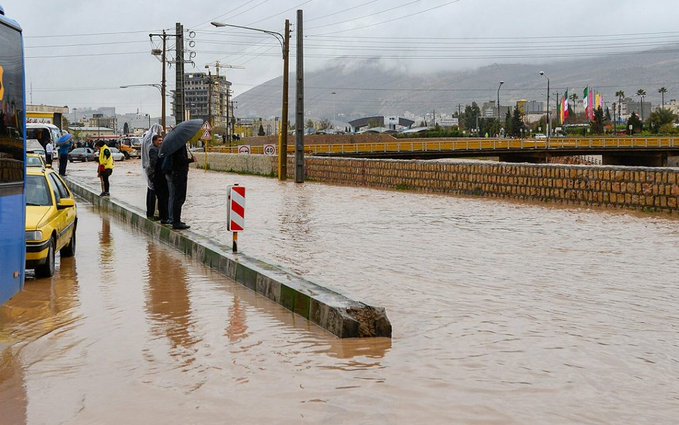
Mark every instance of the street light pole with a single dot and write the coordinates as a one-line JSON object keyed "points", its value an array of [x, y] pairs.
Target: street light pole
{"points": [[161, 89], [284, 41], [498, 102], [548, 123]]}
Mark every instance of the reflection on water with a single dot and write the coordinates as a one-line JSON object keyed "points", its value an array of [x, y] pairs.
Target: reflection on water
{"points": [[238, 327], [13, 400], [168, 303]]}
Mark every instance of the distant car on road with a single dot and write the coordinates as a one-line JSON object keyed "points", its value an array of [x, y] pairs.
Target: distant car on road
{"points": [[82, 154], [117, 155]]}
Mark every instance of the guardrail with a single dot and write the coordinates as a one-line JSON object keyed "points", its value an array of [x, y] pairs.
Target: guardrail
{"points": [[474, 144]]}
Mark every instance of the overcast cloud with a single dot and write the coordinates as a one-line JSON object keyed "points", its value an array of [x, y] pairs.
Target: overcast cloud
{"points": [[80, 51]]}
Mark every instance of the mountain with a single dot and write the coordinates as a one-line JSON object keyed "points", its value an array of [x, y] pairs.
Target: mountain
{"points": [[363, 88]]}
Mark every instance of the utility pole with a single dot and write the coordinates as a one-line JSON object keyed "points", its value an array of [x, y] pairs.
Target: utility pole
{"points": [[179, 112], [299, 123], [283, 139], [163, 84]]}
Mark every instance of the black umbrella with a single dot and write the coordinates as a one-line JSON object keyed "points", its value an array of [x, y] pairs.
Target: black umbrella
{"points": [[177, 138]]}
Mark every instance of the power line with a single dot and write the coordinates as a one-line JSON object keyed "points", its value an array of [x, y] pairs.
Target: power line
{"points": [[365, 16], [90, 34], [340, 11], [393, 19]]}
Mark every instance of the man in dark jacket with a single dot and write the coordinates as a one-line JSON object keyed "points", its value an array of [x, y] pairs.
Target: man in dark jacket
{"points": [[156, 176], [177, 174]]}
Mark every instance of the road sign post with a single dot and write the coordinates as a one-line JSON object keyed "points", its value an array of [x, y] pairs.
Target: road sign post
{"points": [[235, 212], [206, 137]]}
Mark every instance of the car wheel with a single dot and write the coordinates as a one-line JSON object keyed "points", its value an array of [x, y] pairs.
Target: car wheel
{"points": [[71, 160], [47, 269], [69, 250]]}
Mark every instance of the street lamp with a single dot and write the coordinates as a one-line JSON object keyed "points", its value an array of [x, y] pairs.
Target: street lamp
{"points": [[284, 41], [498, 100], [160, 89], [498, 106], [548, 123]]}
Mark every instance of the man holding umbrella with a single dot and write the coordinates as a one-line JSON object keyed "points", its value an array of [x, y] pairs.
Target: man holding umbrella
{"points": [[64, 145], [176, 168]]}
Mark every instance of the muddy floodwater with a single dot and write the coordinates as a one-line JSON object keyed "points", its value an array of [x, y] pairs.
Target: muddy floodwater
{"points": [[503, 313]]}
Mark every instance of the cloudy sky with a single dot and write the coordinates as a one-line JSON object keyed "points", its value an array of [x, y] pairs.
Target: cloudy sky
{"points": [[79, 52]]}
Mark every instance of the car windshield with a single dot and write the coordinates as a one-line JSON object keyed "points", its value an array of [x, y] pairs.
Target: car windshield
{"points": [[32, 161], [114, 150], [78, 151], [37, 191]]}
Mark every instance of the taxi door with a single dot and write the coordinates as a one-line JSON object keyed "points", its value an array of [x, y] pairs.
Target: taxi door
{"points": [[65, 217]]}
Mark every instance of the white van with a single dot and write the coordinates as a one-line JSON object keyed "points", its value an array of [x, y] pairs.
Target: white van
{"points": [[42, 133]]}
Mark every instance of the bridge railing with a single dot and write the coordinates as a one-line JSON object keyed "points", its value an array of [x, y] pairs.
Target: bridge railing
{"points": [[474, 144]]}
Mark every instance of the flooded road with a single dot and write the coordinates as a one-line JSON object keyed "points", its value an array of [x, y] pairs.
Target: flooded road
{"points": [[503, 313]]}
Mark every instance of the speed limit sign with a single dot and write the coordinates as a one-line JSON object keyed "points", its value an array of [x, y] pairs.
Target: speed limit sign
{"points": [[270, 150]]}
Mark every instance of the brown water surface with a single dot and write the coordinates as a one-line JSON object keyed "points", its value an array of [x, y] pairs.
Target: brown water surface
{"points": [[503, 313]]}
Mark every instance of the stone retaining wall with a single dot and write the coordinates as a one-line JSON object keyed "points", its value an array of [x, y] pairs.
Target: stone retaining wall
{"points": [[640, 188], [339, 315]]}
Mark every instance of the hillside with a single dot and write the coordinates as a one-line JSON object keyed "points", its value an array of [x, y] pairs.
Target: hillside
{"points": [[358, 89]]}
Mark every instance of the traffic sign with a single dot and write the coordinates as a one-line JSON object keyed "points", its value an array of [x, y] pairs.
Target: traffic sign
{"points": [[270, 150], [207, 126], [235, 214], [244, 149], [206, 135]]}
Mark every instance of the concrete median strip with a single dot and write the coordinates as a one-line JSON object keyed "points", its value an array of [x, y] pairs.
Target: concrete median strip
{"points": [[334, 312]]}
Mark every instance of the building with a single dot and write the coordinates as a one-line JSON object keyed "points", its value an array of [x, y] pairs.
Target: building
{"points": [[391, 123], [45, 114], [489, 110], [208, 97]]}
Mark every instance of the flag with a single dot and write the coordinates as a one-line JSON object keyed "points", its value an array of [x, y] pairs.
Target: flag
{"points": [[566, 111], [585, 99]]}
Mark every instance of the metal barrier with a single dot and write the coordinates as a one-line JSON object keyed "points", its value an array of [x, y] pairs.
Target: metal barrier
{"points": [[474, 144]]}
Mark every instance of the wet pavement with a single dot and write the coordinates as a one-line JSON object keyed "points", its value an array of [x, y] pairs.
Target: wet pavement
{"points": [[503, 313]]}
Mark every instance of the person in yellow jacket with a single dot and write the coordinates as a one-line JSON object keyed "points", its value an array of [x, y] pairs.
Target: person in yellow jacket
{"points": [[105, 167]]}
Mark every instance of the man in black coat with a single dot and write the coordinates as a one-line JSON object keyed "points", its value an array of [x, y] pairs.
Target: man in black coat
{"points": [[176, 168], [156, 176]]}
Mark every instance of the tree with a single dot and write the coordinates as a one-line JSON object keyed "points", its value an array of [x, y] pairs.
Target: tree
{"points": [[126, 128], [310, 124], [517, 124], [659, 118], [635, 122], [261, 130], [642, 93], [508, 123], [621, 95], [662, 91], [470, 116], [324, 124], [597, 125]]}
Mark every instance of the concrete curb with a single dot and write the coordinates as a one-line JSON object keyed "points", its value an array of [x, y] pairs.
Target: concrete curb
{"points": [[334, 312]]}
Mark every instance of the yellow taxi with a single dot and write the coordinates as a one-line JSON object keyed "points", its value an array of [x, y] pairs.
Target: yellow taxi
{"points": [[51, 220]]}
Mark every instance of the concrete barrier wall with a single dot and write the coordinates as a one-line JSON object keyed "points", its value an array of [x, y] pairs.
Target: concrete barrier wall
{"points": [[339, 315], [639, 188]]}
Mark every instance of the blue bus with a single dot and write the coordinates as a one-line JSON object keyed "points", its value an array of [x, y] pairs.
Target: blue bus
{"points": [[12, 159]]}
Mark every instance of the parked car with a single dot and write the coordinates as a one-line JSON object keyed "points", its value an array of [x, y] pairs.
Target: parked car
{"points": [[34, 160], [82, 154], [51, 220], [117, 155]]}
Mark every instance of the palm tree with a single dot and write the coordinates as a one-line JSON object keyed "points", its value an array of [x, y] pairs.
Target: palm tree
{"points": [[621, 96], [574, 98], [662, 91], [641, 93]]}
